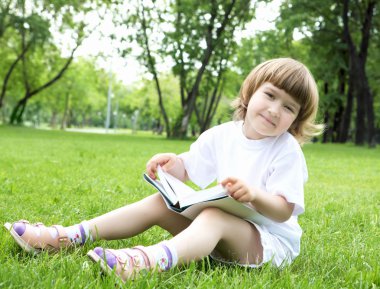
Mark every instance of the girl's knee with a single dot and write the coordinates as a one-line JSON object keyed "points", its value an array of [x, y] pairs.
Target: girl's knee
{"points": [[156, 200], [211, 214], [157, 203]]}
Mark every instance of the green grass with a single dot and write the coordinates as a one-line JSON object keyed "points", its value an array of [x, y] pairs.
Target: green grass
{"points": [[63, 178]]}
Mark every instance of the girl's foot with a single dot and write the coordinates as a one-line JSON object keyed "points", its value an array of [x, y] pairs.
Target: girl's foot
{"points": [[37, 237], [128, 263]]}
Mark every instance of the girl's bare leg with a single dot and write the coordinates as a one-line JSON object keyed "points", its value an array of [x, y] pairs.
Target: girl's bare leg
{"points": [[125, 222], [235, 239], [135, 218]]}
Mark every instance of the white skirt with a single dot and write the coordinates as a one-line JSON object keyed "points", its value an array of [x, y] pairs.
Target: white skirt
{"points": [[274, 251]]}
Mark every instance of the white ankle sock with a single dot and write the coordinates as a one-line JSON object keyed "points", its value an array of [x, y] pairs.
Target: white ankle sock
{"points": [[165, 255], [79, 233]]}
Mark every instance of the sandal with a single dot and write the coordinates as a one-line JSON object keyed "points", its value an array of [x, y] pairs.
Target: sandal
{"points": [[125, 263], [28, 237]]}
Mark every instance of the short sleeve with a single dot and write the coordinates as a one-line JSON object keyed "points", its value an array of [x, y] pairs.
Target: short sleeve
{"points": [[287, 177], [199, 161]]}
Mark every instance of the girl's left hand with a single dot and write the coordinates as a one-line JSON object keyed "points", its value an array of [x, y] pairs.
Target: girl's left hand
{"points": [[238, 190]]}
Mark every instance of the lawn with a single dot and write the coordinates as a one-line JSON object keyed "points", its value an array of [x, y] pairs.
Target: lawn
{"points": [[63, 178]]}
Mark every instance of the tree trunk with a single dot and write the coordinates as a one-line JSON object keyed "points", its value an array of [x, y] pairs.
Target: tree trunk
{"points": [[9, 72], [338, 118], [211, 43], [367, 97], [189, 107], [327, 131], [326, 119], [345, 125], [20, 106], [18, 110], [66, 112], [3, 115], [53, 119], [360, 109], [337, 123], [152, 70], [212, 111], [364, 99]]}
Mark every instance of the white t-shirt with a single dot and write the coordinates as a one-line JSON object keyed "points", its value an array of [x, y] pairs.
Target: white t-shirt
{"points": [[274, 164]]}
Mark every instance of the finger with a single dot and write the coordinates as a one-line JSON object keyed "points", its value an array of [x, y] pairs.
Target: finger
{"points": [[151, 171], [161, 159], [151, 168], [238, 194], [169, 164], [235, 187], [156, 160], [231, 180]]}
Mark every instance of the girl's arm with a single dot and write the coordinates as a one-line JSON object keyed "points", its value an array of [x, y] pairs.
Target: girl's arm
{"points": [[170, 163], [274, 207]]}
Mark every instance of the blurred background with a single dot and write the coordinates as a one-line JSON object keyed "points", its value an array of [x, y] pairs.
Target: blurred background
{"points": [[173, 67]]}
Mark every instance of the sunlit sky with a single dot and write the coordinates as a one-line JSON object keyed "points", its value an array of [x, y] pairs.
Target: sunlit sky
{"points": [[128, 69]]}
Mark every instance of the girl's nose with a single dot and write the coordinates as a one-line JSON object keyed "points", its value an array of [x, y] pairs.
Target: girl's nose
{"points": [[274, 110]]}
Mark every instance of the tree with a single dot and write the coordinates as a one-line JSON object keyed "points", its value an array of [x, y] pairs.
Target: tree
{"points": [[197, 37], [358, 54], [148, 59], [27, 29], [79, 98], [327, 35]]}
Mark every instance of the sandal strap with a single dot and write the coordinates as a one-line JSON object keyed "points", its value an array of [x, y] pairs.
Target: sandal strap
{"points": [[127, 269], [144, 254], [118, 256], [63, 239], [23, 221]]}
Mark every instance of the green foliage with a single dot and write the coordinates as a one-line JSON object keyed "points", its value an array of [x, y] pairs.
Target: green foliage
{"points": [[198, 38], [86, 90], [35, 62], [64, 178], [180, 35], [143, 97], [328, 56]]}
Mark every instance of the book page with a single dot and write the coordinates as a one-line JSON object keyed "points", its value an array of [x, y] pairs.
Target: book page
{"points": [[180, 189], [231, 206], [170, 193], [168, 196], [210, 194]]}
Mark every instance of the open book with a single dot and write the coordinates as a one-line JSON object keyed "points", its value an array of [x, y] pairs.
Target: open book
{"points": [[184, 200]]}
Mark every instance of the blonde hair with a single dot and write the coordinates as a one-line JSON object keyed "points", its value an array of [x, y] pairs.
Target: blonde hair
{"points": [[293, 77]]}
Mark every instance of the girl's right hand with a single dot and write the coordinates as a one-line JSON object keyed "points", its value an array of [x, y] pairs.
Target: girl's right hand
{"points": [[165, 160]]}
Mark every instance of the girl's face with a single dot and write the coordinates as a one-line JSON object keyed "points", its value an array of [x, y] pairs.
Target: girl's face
{"points": [[270, 112]]}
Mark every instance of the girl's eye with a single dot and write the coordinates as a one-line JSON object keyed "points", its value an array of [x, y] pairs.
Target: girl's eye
{"points": [[271, 96], [289, 108]]}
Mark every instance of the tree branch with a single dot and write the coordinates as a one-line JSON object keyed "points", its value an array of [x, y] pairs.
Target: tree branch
{"points": [[152, 69], [182, 74], [366, 30], [346, 28], [10, 70], [58, 75]]}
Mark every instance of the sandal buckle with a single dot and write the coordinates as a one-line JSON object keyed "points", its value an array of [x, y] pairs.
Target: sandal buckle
{"points": [[62, 239]]}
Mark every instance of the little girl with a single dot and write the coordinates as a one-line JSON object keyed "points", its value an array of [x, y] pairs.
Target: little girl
{"points": [[257, 158]]}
